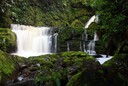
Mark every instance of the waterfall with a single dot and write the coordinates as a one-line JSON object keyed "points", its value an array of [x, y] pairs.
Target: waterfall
{"points": [[32, 41], [91, 44]]}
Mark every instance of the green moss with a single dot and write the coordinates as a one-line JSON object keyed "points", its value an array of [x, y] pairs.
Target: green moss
{"points": [[77, 23], [7, 39], [74, 53], [74, 58]]}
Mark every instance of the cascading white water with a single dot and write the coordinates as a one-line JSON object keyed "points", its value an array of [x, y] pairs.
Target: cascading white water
{"points": [[91, 44], [32, 41], [91, 48], [92, 19]]}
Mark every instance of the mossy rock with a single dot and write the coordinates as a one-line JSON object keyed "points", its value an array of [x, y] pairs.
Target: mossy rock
{"points": [[121, 55], [116, 70], [87, 78], [7, 40], [117, 67], [91, 75], [56, 67], [49, 71], [74, 58], [44, 59]]}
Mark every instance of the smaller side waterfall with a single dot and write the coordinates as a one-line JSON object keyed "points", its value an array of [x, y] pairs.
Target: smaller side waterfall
{"points": [[90, 47], [91, 43]]}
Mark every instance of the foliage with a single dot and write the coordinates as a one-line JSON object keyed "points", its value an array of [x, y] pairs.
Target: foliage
{"points": [[97, 4], [45, 13], [32, 15]]}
